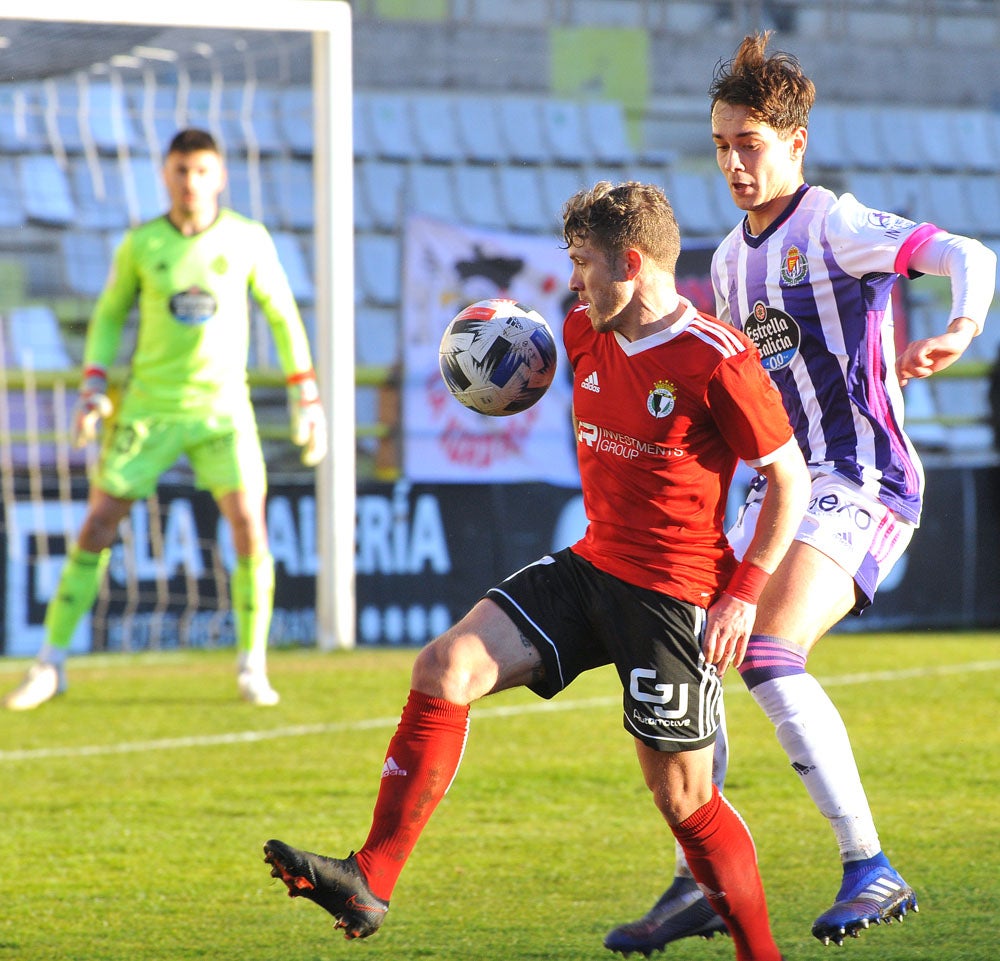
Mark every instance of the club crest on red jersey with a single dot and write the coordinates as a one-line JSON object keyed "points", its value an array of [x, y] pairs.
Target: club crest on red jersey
{"points": [[661, 399]]}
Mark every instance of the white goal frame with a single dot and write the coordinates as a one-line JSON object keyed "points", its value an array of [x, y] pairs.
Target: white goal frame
{"points": [[329, 23]]}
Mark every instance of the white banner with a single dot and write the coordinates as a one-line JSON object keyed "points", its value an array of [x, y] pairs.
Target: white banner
{"points": [[445, 268]]}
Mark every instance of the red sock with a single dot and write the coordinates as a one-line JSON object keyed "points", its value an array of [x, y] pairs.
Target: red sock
{"points": [[723, 860], [420, 765]]}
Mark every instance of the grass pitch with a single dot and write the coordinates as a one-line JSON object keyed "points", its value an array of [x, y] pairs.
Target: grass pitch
{"points": [[133, 810]]}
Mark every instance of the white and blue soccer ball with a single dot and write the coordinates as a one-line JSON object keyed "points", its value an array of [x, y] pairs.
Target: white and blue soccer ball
{"points": [[498, 357]]}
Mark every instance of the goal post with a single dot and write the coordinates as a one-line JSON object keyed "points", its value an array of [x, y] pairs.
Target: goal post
{"points": [[329, 23]]}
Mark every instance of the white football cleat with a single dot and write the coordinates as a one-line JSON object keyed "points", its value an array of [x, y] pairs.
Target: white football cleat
{"points": [[42, 683], [256, 689]]}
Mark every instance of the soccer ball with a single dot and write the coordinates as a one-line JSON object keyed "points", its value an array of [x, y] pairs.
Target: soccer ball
{"points": [[497, 357]]}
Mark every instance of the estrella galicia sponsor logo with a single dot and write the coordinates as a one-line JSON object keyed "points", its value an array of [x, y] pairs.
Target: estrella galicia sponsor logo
{"points": [[794, 267], [661, 399], [193, 306], [775, 334]]}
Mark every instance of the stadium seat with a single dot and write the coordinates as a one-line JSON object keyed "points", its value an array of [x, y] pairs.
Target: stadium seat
{"points": [[522, 200], [937, 132], [390, 127], [293, 189], [946, 203], [977, 139], [45, 189], [693, 198], [98, 193], [874, 189], [62, 104], [430, 189], [862, 137], [293, 259], [377, 266], [154, 113], [250, 191], [86, 258], [606, 132], [107, 117], [478, 196], [521, 130], [377, 340], [35, 339], [563, 125], [296, 119], [900, 136], [204, 107], [11, 199], [558, 184], [22, 119], [145, 194], [435, 128], [479, 129], [825, 146], [261, 105], [983, 191], [383, 185]]}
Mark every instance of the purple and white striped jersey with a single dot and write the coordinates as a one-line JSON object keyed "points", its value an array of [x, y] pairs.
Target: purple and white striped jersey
{"points": [[813, 292]]}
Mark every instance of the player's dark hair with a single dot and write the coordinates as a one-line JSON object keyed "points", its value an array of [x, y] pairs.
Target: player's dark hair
{"points": [[616, 218], [191, 140], [773, 88]]}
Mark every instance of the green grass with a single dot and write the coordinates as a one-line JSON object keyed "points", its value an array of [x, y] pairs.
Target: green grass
{"points": [[133, 811]]}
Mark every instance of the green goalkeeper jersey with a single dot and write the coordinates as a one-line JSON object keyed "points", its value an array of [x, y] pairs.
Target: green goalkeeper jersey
{"points": [[193, 336]]}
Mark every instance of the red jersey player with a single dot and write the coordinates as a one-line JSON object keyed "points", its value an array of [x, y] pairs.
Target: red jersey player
{"points": [[665, 402]]}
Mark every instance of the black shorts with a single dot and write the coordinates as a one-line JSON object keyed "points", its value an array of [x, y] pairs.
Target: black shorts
{"points": [[580, 618]]}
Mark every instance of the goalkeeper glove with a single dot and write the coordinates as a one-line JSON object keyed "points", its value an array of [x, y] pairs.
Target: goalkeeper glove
{"points": [[92, 404], [308, 421]]}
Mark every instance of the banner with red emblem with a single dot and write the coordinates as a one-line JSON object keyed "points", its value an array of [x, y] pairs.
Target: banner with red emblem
{"points": [[446, 267]]}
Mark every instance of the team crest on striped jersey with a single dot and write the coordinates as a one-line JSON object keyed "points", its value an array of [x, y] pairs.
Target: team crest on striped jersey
{"points": [[661, 399], [794, 267], [776, 335]]}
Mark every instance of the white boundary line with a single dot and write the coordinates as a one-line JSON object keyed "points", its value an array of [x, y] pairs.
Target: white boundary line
{"points": [[479, 714]]}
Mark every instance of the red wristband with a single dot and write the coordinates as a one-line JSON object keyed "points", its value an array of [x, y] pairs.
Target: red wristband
{"points": [[747, 582]]}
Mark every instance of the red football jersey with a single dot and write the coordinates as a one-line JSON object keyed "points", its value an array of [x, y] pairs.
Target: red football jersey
{"points": [[661, 424]]}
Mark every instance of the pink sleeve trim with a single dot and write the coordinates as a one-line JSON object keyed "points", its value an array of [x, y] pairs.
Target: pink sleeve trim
{"points": [[917, 239]]}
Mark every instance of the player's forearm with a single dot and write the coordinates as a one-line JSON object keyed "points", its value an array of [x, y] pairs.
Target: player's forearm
{"points": [[971, 267], [785, 500]]}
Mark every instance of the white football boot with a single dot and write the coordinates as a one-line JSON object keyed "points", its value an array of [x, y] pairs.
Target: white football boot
{"points": [[42, 683], [256, 688]]}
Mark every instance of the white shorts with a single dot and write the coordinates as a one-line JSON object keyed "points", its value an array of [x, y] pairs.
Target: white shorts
{"points": [[855, 530]]}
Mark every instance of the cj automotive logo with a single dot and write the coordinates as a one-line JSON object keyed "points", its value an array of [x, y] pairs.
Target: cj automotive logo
{"points": [[669, 702]]}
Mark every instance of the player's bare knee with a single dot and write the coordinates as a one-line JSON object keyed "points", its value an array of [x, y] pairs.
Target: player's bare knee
{"points": [[450, 668]]}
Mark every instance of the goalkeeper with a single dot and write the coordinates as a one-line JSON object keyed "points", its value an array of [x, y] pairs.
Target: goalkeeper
{"points": [[187, 393]]}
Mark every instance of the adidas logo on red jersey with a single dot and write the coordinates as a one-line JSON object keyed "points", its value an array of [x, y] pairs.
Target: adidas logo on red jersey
{"points": [[590, 383]]}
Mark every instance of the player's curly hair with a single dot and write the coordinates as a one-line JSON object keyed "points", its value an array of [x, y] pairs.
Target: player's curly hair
{"points": [[773, 87], [617, 217]]}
